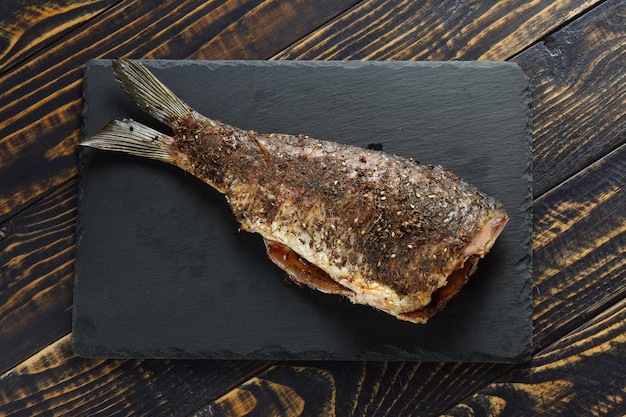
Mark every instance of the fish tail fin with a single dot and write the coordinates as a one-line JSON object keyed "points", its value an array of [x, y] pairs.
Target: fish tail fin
{"points": [[133, 138], [153, 96]]}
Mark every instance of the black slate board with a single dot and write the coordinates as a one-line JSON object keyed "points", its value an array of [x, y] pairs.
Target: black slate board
{"points": [[161, 270]]}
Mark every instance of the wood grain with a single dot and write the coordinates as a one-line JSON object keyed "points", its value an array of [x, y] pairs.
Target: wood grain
{"points": [[115, 387], [36, 275], [41, 102], [578, 247], [280, 391], [436, 30], [352, 389], [584, 373], [29, 26], [579, 91]]}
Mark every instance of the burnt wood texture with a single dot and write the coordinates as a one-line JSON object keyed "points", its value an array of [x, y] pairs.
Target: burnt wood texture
{"points": [[573, 53]]}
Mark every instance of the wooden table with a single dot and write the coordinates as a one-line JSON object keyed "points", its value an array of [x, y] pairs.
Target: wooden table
{"points": [[573, 51]]}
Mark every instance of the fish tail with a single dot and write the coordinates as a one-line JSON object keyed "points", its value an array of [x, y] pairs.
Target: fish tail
{"points": [[133, 138], [153, 96], [160, 102]]}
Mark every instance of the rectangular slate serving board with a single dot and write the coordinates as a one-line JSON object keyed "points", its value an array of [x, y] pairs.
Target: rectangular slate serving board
{"points": [[162, 271]]}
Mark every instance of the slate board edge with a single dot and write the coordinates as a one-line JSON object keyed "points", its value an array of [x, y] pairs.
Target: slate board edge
{"points": [[268, 354]]}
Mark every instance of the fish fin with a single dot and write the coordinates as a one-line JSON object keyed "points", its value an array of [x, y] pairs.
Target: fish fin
{"points": [[133, 138], [443, 295], [301, 271], [153, 96]]}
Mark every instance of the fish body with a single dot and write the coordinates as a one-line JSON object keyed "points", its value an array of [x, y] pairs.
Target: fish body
{"points": [[376, 228]]}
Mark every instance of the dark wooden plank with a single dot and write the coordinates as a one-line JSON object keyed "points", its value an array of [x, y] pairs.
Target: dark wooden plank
{"points": [[436, 30], [581, 374], [55, 382], [352, 389], [281, 391], [31, 25], [579, 91], [40, 104], [36, 275], [585, 234], [578, 246]]}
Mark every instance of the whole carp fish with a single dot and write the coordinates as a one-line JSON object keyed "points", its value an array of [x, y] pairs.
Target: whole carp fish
{"points": [[378, 229]]}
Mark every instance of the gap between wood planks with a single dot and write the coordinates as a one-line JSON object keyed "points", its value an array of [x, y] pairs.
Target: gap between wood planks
{"points": [[35, 356], [12, 66], [35, 200], [575, 174], [556, 28], [66, 339], [582, 171], [578, 322], [541, 38], [605, 303], [537, 365]]}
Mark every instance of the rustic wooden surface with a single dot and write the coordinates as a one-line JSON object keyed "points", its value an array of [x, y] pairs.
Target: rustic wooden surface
{"points": [[573, 51]]}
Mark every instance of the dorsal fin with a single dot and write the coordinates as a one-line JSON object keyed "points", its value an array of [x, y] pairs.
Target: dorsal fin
{"points": [[153, 96]]}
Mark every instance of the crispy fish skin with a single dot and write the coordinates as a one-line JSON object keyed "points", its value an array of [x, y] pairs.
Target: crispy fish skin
{"points": [[378, 229]]}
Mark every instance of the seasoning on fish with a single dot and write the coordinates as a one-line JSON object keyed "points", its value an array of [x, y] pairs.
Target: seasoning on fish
{"points": [[378, 229]]}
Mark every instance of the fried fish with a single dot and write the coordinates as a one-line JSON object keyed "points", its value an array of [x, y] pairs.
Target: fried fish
{"points": [[378, 229]]}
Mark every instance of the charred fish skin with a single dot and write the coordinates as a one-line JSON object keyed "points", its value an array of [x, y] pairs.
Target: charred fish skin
{"points": [[378, 229]]}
